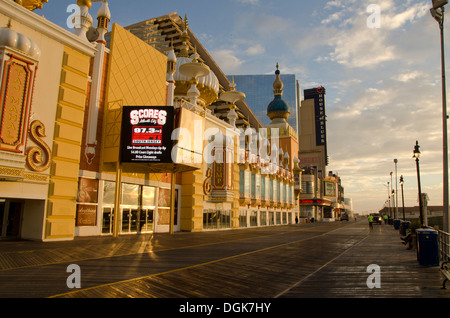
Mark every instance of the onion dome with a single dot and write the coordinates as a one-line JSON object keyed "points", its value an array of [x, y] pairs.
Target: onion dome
{"points": [[17, 41], [207, 85], [278, 108], [87, 3], [104, 10]]}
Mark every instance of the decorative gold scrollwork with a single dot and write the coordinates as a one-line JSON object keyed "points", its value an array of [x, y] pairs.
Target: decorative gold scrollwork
{"points": [[31, 4], [35, 155], [207, 187]]}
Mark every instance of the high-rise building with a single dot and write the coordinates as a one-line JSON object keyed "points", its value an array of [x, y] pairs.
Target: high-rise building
{"points": [[323, 194], [258, 89]]}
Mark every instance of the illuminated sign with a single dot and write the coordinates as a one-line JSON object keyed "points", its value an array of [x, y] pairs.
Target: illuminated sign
{"points": [[313, 201], [146, 134]]}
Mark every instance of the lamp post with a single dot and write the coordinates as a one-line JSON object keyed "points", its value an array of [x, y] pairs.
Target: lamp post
{"points": [[416, 157], [392, 196], [403, 197], [389, 199], [438, 14], [396, 189]]}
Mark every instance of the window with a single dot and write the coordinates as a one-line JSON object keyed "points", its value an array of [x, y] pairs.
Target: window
{"points": [[308, 187], [263, 218], [216, 219], [253, 218], [243, 219]]}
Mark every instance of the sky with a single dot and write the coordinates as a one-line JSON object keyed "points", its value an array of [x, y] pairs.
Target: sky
{"points": [[379, 61]]}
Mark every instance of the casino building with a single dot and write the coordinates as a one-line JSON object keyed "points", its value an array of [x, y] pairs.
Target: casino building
{"points": [[63, 97]]}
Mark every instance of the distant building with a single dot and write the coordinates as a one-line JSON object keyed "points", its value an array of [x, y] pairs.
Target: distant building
{"points": [[258, 89], [322, 197]]}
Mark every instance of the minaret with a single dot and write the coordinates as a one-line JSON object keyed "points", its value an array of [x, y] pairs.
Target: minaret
{"points": [[103, 18], [278, 109], [85, 19], [171, 68], [184, 52], [232, 96]]}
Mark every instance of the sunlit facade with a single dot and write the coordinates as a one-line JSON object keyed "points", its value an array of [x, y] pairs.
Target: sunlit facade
{"points": [[63, 96]]}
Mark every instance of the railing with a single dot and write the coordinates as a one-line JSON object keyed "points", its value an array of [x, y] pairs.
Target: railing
{"points": [[444, 245], [193, 108]]}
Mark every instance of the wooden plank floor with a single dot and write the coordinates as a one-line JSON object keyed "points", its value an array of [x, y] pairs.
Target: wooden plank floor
{"points": [[297, 261]]}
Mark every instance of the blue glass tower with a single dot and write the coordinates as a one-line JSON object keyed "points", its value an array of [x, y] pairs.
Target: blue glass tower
{"points": [[259, 92]]}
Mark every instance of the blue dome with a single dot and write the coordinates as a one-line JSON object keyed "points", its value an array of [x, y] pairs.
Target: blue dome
{"points": [[278, 105], [278, 108]]}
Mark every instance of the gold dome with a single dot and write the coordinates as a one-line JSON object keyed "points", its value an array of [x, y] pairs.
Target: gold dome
{"points": [[31, 4], [86, 3]]}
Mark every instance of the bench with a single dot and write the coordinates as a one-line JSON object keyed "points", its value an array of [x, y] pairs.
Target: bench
{"points": [[446, 272]]}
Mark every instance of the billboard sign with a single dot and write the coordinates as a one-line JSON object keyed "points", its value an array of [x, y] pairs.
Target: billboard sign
{"points": [[146, 134]]}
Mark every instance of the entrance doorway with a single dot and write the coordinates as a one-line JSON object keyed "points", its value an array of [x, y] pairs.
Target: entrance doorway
{"points": [[10, 218]]}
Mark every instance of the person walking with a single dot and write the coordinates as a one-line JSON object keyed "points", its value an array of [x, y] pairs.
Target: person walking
{"points": [[385, 217], [370, 218]]}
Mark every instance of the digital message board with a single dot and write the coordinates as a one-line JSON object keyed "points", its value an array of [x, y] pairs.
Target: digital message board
{"points": [[146, 134]]}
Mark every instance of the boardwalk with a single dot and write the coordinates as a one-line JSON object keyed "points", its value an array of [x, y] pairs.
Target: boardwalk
{"points": [[320, 260]]}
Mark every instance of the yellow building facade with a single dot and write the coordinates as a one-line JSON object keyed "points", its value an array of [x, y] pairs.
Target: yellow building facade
{"points": [[44, 75], [63, 96]]}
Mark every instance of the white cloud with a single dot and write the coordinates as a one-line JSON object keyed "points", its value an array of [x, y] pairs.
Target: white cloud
{"points": [[228, 62], [256, 49], [411, 14], [409, 76]]}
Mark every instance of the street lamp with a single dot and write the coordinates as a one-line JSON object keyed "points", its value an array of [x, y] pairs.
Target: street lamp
{"points": [[403, 197], [389, 199], [392, 196], [396, 189], [416, 157], [438, 14]]}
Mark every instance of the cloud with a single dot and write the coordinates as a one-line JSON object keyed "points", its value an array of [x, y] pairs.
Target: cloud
{"points": [[383, 86], [228, 61], [256, 49]]}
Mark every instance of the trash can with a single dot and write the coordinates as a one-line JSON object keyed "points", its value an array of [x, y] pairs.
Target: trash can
{"points": [[427, 247], [396, 224], [404, 226]]}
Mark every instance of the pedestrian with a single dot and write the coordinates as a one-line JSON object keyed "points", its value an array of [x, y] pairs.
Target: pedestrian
{"points": [[385, 217], [370, 218], [296, 220]]}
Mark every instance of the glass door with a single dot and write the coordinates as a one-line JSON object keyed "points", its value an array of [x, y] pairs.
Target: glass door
{"points": [[146, 220], [107, 220], [148, 202], [129, 219]]}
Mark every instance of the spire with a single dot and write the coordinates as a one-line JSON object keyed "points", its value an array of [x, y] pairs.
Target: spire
{"points": [[103, 18], [184, 39], [104, 12], [278, 84], [278, 109], [171, 69]]}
